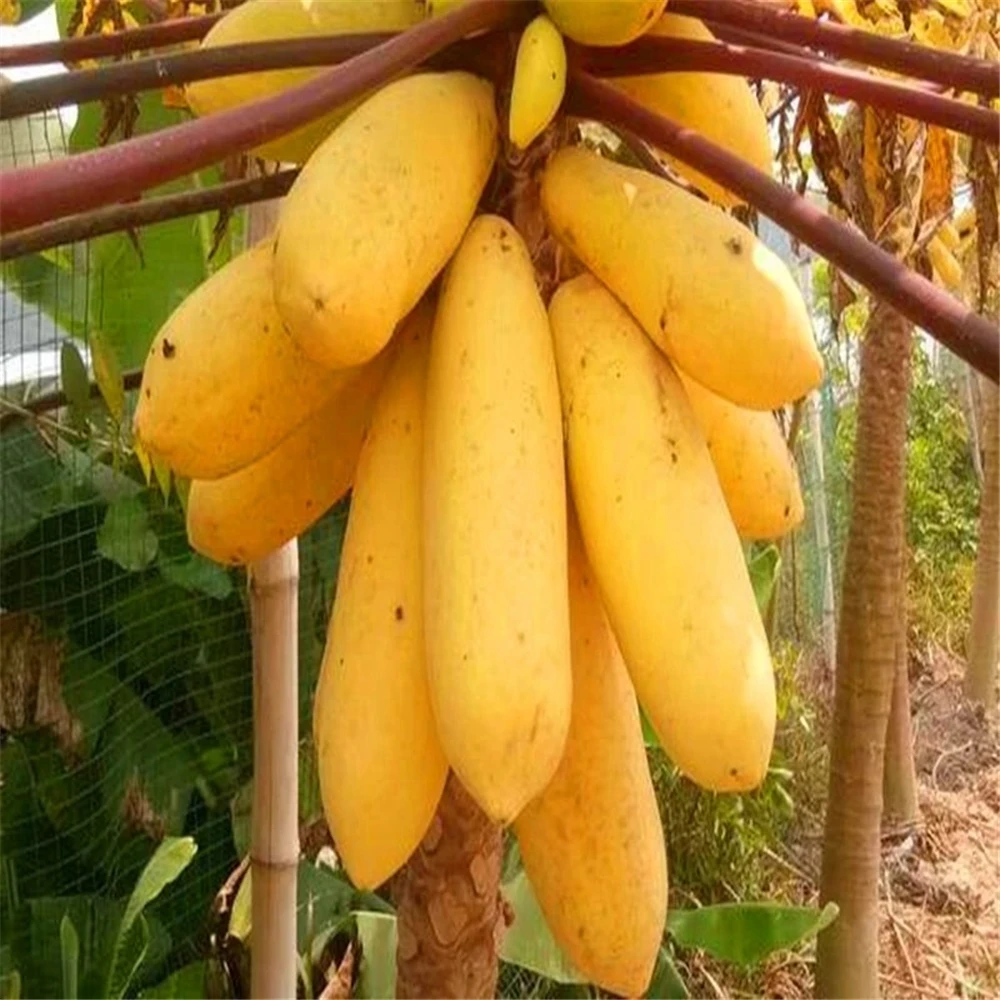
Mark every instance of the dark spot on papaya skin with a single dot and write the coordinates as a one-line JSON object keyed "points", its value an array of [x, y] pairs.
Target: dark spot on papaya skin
{"points": [[733, 772], [788, 510], [399, 612], [369, 559], [318, 304], [583, 360], [734, 245], [168, 349], [148, 394], [663, 321], [267, 328], [673, 457]]}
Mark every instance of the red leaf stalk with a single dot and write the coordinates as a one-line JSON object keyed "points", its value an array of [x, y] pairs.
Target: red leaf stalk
{"points": [[655, 54], [32, 195], [962, 72]]}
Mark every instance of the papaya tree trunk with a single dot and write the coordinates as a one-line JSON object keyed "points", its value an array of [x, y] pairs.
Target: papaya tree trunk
{"points": [[884, 156], [981, 669], [450, 913], [817, 500], [899, 780], [847, 955]]}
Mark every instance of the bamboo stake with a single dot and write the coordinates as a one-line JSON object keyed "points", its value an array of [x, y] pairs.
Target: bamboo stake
{"points": [[274, 845]]}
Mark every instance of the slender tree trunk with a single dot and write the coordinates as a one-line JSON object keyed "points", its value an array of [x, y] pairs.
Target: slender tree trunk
{"points": [[449, 907], [981, 671], [818, 503], [899, 780], [969, 394], [847, 957]]}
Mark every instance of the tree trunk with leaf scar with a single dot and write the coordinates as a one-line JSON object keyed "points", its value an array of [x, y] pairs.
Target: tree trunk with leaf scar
{"points": [[450, 912]]}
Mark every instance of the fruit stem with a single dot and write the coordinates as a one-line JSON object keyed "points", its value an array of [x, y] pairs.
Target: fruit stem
{"points": [[113, 218], [948, 68], [961, 330], [115, 43], [32, 195], [656, 54]]}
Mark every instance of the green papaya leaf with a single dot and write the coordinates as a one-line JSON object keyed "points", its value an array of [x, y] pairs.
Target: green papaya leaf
{"points": [[125, 536], [764, 567], [377, 935], [528, 941], [108, 374], [172, 856], [666, 983], [747, 933], [649, 736], [196, 573], [10, 985], [74, 378], [186, 982], [69, 942]]}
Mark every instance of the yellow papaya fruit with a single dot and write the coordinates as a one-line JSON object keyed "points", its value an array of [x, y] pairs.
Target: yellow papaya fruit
{"points": [[592, 842], [945, 263], [223, 382], [539, 81], [721, 108], [711, 295], [270, 20], [243, 516], [755, 468], [661, 543], [949, 235], [378, 210], [496, 601], [381, 766], [604, 22]]}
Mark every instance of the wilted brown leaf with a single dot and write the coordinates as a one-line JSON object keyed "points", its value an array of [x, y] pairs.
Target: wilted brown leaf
{"points": [[939, 168], [814, 117]]}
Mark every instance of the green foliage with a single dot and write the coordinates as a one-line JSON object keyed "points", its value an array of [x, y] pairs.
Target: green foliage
{"points": [[747, 933], [942, 497]]}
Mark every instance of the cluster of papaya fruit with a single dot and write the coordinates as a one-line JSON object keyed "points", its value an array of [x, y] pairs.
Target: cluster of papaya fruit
{"points": [[548, 499]]}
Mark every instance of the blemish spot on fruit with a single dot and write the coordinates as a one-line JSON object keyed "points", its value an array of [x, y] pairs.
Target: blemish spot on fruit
{"points": [[734, 245], [148, 394], [520, 637], [581, 932], [168, 349], [583, 360], [663, 321], [369, 559], [399, 612], [618, 499], [673, 457], [788, 510], [318, 304], [733, 772], [267, 328], [407, 427]]}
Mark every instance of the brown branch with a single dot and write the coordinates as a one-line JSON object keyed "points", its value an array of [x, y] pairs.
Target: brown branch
{"points": [[32, 195], [948, 68], [46, 402], [656, 54], [132, 215], [156, 72], [961, 330], [115, 43]]}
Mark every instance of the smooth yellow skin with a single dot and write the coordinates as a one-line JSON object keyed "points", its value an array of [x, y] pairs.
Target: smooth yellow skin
{"points": [[709, 293], [381, 766], [719, 107], [266, 20], [243, 516], [539, 81], [497, 608], [604, 22], [378, 210], [223, 382], [756, 470], [661, 544], [592, 842]]}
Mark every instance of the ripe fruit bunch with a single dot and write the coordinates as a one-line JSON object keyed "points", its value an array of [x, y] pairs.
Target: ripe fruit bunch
{"points": [[548, 499]]}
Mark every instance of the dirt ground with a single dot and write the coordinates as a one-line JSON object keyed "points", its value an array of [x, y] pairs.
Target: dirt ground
{"points": [[940, 886]]}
